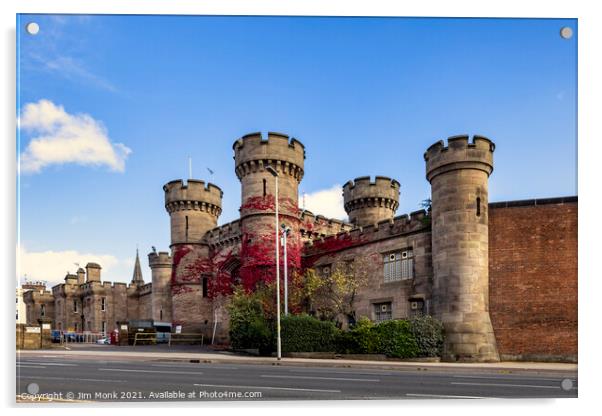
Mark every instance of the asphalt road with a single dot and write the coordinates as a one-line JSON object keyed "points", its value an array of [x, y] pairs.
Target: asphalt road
{"points": [[135, 380]]}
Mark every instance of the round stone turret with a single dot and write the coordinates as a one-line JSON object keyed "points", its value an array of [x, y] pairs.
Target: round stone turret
{"points": [[160, 264], [193, 207], [253, 157], [368, 202], [459, 174]]}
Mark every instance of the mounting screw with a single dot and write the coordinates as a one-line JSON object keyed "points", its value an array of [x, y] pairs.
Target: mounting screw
{"points": [[32, 28], [566, 32]]}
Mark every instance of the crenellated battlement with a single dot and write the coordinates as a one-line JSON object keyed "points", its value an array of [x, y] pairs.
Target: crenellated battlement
{"points": [[317, 226], [362, 192], [160, 259], [400, 225], [460, 153], [252, 154], [224, 234], [193, 195], [367, 201]]}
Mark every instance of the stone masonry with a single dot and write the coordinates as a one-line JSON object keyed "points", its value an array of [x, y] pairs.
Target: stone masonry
{"points": [[443, 262], [459, 175]]}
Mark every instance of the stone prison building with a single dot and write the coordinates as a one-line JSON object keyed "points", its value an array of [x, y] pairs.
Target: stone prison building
{"points": [[501, 276]]}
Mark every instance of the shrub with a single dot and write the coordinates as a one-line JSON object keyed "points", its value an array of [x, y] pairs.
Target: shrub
{"points": [[429, 335], [249, 329], [358, 340], [303, 333], [395, 339]]}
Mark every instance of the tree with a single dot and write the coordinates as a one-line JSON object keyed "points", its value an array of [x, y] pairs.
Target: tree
{"points": [[333, 292]]}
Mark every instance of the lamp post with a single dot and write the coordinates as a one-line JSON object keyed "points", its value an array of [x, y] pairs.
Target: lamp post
{"points": [[278, 340], [285, 231]]}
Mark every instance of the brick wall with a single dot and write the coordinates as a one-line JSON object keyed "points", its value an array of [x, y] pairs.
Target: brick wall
{"points": [[533, 278]]}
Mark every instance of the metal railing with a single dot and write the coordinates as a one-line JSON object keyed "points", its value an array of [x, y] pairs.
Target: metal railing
{"points": [[150, 337], [81, 337], [189, 338]]}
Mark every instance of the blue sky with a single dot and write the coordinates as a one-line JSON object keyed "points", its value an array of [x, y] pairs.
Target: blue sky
{"points": [[366, 96]]}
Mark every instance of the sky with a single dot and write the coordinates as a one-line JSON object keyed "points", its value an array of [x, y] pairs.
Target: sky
{"points": [[111, 108]]}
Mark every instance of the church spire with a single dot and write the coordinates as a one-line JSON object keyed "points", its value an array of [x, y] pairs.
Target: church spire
{"points": [[137, 277]]}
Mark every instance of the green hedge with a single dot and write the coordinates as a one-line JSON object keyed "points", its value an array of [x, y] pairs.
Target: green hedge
{"points": [[303, 333], [419, 337], [395, 339], [358, 340], [429, 335]]}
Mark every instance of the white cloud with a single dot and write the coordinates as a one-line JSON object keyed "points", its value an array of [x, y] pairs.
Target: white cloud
{"points": [[52, 266], [327, 202], [67, 138], [74, 69]]}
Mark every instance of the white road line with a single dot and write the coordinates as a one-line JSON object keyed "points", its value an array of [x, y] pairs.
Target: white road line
{"points": [[188, 365], [30, 366], [266, 388], [506, 385], [44, 363], [447, 396], [516, 378], [374, 380], [149, 371], [75, 379], [351, 373]]}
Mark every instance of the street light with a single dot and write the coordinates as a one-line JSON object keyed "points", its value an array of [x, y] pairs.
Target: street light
{"points": [[285, 231], [278, 340]]}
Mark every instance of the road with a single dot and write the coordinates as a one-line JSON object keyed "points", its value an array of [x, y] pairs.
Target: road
{"points": [[125, 379]]}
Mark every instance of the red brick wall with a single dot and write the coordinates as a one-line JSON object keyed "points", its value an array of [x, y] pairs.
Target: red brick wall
{"points": [[533, 279]]}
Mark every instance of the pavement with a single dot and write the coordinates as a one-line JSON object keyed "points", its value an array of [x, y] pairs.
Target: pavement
{"points": [[159, 373]]}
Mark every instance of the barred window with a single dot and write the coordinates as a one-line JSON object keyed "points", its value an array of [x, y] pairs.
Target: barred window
{"points": [[383, 311], [398, 265], [324, 271], [103, 304]]}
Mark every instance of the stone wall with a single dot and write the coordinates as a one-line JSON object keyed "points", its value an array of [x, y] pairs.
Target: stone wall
{"points": [[34, 336], [191, 264], [533, 278], [367, 247]]}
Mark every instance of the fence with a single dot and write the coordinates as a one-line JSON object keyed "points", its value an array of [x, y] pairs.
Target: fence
{"points": [[81, 337], [186, 338], [145, 338]]}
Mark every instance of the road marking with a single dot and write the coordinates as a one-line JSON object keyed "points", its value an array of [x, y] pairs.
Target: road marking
{"points": [[44, 363], [384, 373], [506, 385], [149, 371], [446, 396], [518, 377], [76, 379], [188, 365], [266, 388], [323, 378], [30, 366]]}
